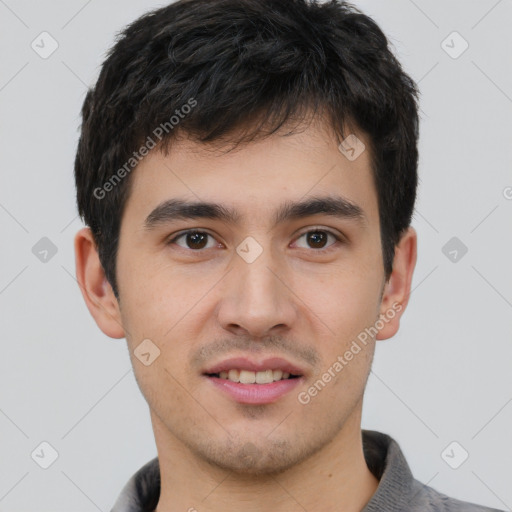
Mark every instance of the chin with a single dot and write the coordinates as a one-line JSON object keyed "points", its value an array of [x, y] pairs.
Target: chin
{"points": [[254, 460]]}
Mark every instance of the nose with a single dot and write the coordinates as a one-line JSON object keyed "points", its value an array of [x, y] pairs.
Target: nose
{"points": [[257, 300]]}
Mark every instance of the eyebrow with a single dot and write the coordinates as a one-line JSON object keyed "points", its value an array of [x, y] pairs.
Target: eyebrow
{"points": [[178, 209]]}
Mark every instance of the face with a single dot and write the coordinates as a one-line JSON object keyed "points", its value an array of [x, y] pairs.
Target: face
{"points": [[254, 285]]}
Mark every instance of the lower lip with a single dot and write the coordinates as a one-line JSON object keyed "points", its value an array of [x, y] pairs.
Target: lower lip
{"points": [[256, 393]]}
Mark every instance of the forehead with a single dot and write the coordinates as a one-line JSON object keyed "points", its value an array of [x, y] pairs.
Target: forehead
{"points": [[255, 177]]}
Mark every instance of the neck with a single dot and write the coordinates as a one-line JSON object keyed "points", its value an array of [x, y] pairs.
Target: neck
{"points": [[335, 474]]}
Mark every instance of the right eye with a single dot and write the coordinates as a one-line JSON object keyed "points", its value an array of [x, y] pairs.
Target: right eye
{"points": [[193, 239]]}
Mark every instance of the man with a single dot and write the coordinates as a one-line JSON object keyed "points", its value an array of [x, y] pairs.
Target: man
{"points": [[247, 170]]}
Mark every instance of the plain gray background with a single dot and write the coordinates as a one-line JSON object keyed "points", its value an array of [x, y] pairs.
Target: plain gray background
{"points": [[445, 377]]}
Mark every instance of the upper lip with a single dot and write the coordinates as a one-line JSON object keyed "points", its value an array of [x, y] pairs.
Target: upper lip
{"points": [[243, 363]]}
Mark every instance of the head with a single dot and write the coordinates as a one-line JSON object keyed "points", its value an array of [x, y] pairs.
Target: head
{"points": [[240, 120]]}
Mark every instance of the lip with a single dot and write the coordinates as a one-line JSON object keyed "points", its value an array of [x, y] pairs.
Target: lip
{"points": [[255, 393], [243, 363]]}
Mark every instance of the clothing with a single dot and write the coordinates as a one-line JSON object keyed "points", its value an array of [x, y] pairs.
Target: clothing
{"points": [[398, 491]]}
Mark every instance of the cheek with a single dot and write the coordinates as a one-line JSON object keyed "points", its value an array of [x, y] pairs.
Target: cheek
{"points": [[345, 299], [338, 386], [165, 389], [162, 305], [353, 307], [156, 297]]}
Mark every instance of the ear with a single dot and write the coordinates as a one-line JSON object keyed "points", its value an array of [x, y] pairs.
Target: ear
{"points": [[96, 290], [398, 287]]}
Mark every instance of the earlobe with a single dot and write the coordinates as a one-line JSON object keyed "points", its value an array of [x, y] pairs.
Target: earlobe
{"points": [[398, 287], [96, 290]]}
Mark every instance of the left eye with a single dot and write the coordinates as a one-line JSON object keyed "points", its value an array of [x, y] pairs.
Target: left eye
{"points": [[317, 238]]}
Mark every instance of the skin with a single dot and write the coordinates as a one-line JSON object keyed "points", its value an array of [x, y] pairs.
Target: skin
{"points": [[296, 300]]}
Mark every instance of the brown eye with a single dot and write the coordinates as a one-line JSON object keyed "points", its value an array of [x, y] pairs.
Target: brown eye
{"points": [[195, 240], [318, 239]]}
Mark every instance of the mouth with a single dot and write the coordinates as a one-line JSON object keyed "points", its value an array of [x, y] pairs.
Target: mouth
{"points": [[252, 382], [251, 377]]}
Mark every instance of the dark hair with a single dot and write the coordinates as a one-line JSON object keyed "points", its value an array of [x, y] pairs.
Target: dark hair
{"points": [[247, 67]]}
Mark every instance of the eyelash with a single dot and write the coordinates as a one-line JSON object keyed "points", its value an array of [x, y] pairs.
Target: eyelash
{"points": [[314, 230]]}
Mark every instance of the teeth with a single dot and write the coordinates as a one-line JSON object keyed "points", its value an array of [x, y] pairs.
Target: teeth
{"points": [[234, 375], [264, 377], [248, 377]]}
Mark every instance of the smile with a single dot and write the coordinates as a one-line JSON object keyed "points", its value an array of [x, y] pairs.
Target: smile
{"points": [[250, 377]]}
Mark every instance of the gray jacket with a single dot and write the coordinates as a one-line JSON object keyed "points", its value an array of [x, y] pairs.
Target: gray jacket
{"points": [[398, 491]]}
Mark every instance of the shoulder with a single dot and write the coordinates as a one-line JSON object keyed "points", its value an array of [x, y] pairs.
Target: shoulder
{"points": [[398, 490], [142, 491], [427, 498]]}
